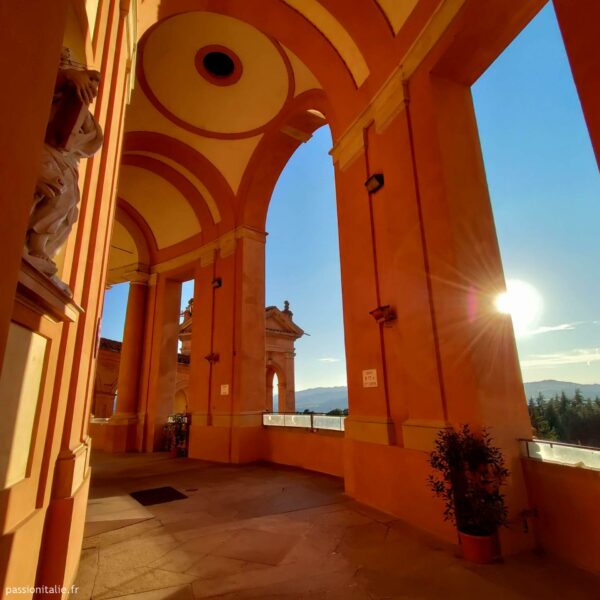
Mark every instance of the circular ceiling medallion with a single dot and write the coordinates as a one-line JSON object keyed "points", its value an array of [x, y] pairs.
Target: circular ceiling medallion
{"points": [[214, 75], [219, 65]]}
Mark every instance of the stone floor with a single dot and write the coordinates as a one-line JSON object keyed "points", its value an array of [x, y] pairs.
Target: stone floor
{"points": [[268, 532]]}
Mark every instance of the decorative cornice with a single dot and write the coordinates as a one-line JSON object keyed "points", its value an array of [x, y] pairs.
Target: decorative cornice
{"points": [[133, 273], [387, 103], [224, 245], [390, 100]]}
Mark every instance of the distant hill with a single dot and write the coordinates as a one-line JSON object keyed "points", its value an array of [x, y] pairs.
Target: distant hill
{"points": [[550, 387], [324, 399]]}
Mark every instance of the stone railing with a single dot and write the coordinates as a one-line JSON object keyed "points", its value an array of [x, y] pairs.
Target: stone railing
{"points": [[305, 421]]}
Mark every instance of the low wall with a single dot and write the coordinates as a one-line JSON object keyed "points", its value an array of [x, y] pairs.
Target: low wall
{"points": [[321, 450], [394, 480], [97, 431], [567, 500]]}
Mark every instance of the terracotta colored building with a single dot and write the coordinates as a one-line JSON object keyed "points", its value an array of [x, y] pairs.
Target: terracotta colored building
{"points": [[281, 333], [201, 104]]}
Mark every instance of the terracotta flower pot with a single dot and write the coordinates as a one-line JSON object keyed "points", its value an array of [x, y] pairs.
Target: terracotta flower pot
{"points": [[480, 549]]}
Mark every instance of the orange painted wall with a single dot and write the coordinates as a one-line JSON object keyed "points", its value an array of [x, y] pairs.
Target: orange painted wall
{"points": [[43, 514], [568, 503], [394, 480], [320, 451], [31, 44], [97, 431], [578, 23]]}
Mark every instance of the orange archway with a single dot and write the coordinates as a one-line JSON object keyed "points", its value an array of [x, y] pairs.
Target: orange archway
{"points": [[182, 184]]}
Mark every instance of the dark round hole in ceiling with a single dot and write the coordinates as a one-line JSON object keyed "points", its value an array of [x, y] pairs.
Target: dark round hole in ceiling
{"points": [[218, 64]]}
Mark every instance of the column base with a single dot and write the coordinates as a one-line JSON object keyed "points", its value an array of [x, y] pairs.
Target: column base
{"points": [[371, 430], [238, 438], [420, 434], [63, 538], [121, 433]]}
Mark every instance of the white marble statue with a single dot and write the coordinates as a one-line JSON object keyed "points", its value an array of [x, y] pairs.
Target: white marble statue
{"points": [[72, 134]]}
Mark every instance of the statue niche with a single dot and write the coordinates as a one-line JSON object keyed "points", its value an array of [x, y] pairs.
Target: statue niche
{"points": [[72, 134]]}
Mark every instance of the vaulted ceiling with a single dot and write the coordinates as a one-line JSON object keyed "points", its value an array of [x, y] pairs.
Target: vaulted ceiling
{"points": [[205, 141]]}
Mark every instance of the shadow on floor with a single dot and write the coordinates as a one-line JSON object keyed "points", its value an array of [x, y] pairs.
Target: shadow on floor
{"points": [[264, 531]]}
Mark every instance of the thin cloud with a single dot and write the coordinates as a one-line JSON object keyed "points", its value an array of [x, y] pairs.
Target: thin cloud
{"points": [[578, 356], [329, 359], [548, 328]]}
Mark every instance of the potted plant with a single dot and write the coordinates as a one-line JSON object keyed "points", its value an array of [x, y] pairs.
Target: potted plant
{"points": [[176, 434], [470, 474]]}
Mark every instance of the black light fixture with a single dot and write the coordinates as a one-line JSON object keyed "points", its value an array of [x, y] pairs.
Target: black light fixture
{"points": [[374, 183], [384, 315], [212, 358], [217, 282]]}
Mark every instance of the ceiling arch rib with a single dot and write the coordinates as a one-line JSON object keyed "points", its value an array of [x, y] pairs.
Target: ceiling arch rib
{"points": [[160, 203], [306, 115], [130, 253], [336, 34], [397, 11], [138, 235], [191, 177], [134, 216], [187, 199], [192, 161], [123, 255]]}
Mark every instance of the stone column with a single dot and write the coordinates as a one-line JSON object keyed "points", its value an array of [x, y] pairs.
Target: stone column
{"points": [[203, 344], [578, 21], [269, 399], [227, 379], [477, 363], [121, 433], [160, 361], [426, 245], [290, 384], [282, 396]]}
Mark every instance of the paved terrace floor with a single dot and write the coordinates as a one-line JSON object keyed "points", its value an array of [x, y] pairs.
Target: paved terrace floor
{"points": [[266, 532]]}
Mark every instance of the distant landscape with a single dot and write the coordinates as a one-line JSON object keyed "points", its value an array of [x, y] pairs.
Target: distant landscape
{"points": [[559, 410], [324, 399]]}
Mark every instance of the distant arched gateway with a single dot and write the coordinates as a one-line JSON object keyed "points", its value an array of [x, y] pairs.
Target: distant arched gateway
{"points": [[281, 334], [202, 104]]}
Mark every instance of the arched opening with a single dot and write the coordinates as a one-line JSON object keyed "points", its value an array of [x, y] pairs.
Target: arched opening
{"points": [[272, 404], [545, 201], [180, 402], [200, 118], [303, 267]]}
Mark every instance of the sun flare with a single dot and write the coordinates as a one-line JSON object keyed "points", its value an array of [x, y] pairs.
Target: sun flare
{"points": [[522, 302]]}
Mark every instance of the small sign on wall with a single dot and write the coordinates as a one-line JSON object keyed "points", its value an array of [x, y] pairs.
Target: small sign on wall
{"points": [[225, 389], [369, 378]]}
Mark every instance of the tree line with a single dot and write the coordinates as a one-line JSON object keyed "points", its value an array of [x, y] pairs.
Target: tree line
{"points": [[573, 420]]}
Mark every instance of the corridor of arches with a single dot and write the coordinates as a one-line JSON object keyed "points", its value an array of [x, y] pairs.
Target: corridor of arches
{"points": [[203, 103]]}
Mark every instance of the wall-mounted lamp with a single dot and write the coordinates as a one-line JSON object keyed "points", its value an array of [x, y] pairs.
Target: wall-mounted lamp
{"points": [[217, 282], [374, 183], [384, 314], [212, 358]]}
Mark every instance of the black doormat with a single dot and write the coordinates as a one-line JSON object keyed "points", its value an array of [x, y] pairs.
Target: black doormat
{"points": [[157, 496]]}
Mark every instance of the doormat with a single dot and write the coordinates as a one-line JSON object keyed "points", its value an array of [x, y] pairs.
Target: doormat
{"points": [[157, 496]]}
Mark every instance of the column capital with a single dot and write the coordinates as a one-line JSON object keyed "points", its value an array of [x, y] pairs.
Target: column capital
{"points": [[223, 246]]}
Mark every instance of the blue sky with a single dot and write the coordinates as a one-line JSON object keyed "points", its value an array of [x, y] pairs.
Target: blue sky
{"points": [[545, 192]]}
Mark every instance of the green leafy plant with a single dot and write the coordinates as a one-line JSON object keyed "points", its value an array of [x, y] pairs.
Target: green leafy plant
{"points": [[176, 431], [470, 473]]}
